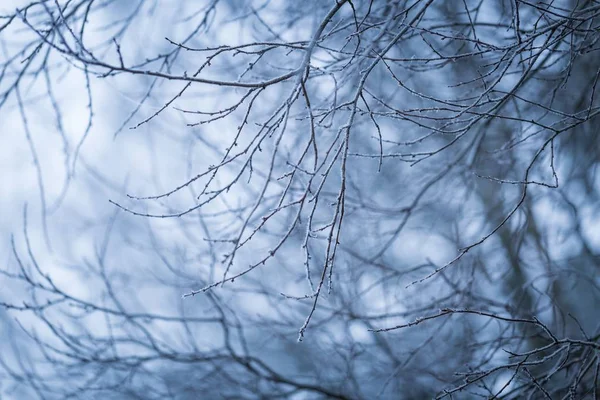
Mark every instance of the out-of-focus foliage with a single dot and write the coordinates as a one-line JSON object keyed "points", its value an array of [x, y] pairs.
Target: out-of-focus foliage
{"points": [[316, 199]]}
